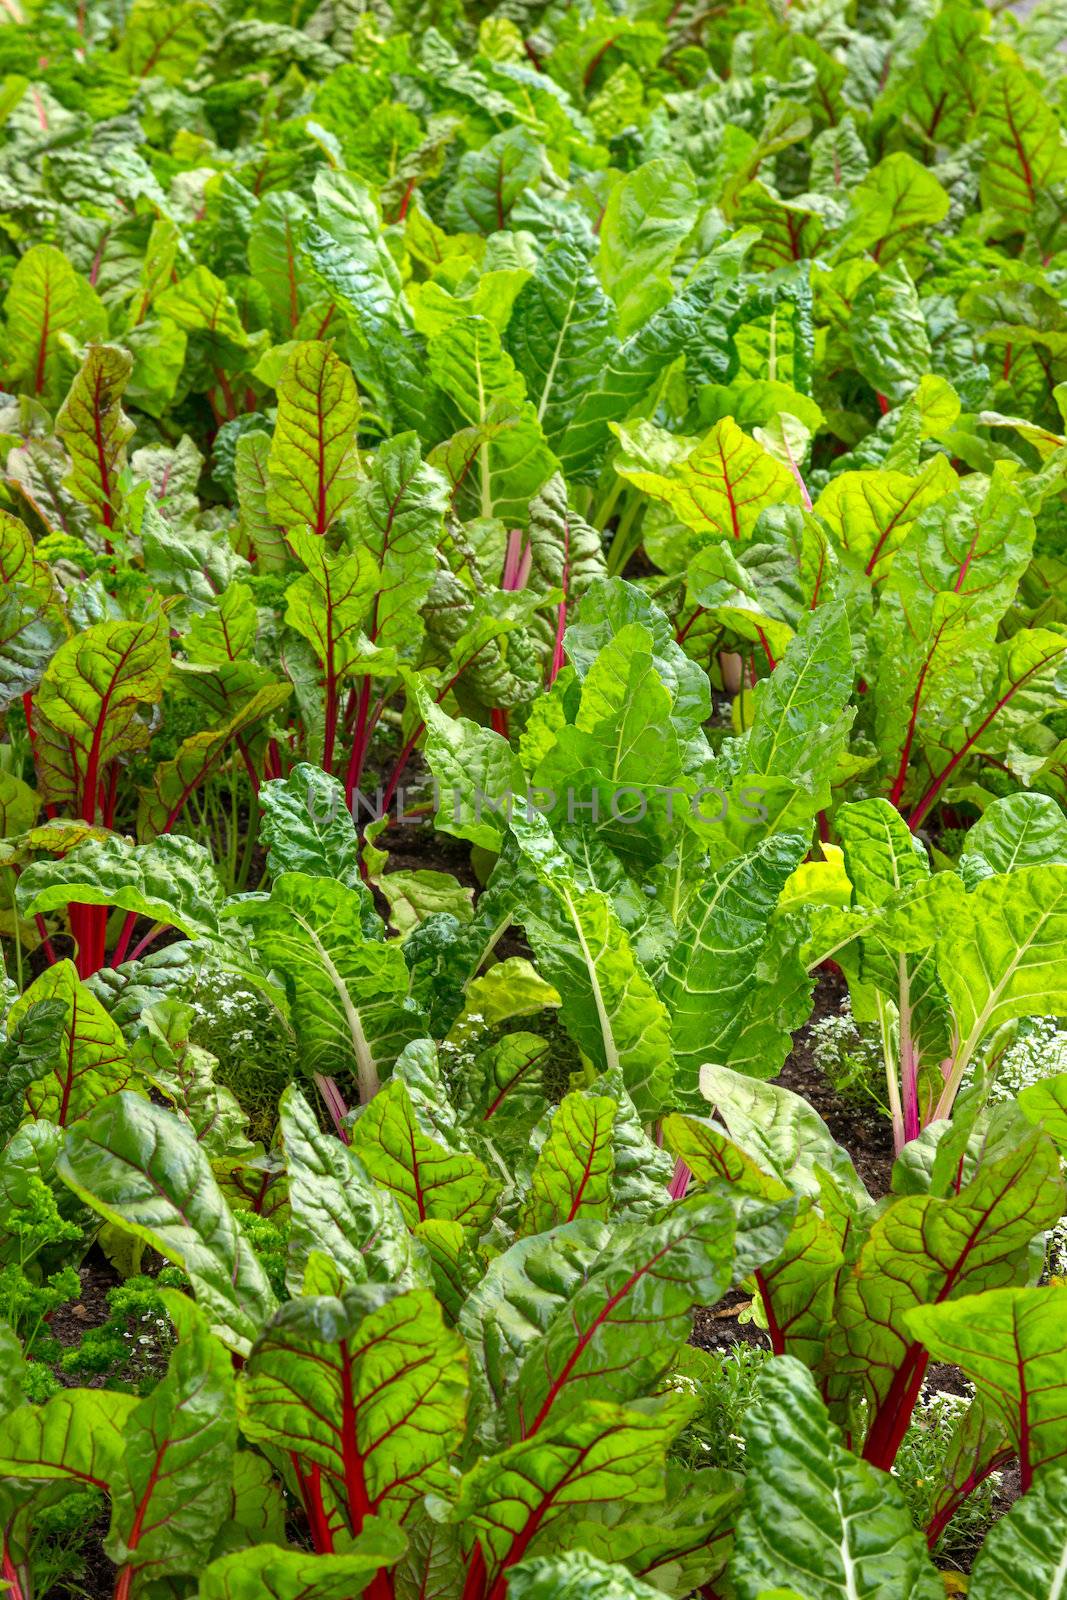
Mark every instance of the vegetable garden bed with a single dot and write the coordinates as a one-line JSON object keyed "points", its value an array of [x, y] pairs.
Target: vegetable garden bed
{"points": [[533, 762]]}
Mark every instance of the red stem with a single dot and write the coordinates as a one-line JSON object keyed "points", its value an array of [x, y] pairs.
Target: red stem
{"points": [[122, 944], [15, 1591], [139, 949]]}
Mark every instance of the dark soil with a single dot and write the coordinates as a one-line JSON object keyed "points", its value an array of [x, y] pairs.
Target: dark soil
{"points": [[71, 1322], [856, 1124]]}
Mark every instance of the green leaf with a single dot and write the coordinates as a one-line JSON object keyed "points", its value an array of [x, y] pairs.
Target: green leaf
{"points": [[171, 880], [575, 1165], [348, 993], [92, 694], [575, 1576], [924, 1250], [77, 1434], [430, 1180], [300, 1575], [201, 304], [96, 430], [371, 1389], [314, 460], [1022, 146], [1024, 1554], [92, 1059], [489, 181], [648, 215], [171, 1491], [199, 755], [398, 516], [609, 1005], [560, 326], [719, 488], [1020, 830], [800, 721], [307, 828], [622, 1324], [476, 771], [711, 971], [870, 513], [1010, 1343], [45, 300], [813, 1516], [780, 1132], [1006, 954], [163, 40], [598, 1453], [894, 200], [144, 1171], [336, 1208]]}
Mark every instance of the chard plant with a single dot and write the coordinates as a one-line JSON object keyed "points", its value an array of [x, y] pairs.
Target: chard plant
{"points": [[528, 536]]}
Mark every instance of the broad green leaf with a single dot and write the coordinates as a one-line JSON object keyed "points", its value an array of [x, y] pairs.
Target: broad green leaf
{"points": [[30, 634], [557, 334], [1024, 1554], [144, 1171], [477, 773], [490, 180], [200, 303], [92, 693], [348, 993], [801, 718], [184, 1073], [314, 460], [274, 241], [780, 1132], [923, 1250], [45, 299], [894, 200], [712, 970], [92, 1058], [199, 755], [430, 1179], [77, 1434], [1010, 1343], [624, 1323], [171, 1491], [1006, 955], [720, 487], [251, 466], [1044, 1103], [596, 1453], [371, 1389], [609, 1005], [19, 561], [1023, 149], [870, 513], [328, 603], [171, 879], [307, 828], [398, 517], [336, 1208], [882, 856], [575, 1165], [414, 896], [889, 335], [96, 430], [814, 1517], [648, 215], [1020, 830], [163, 40], [299, 1574], [575, 1576]]}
